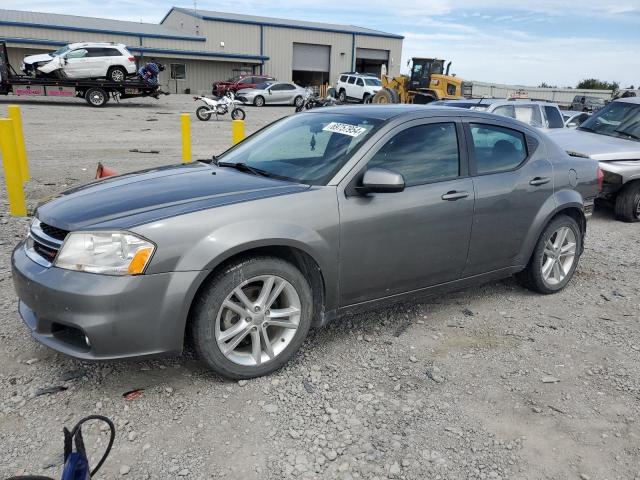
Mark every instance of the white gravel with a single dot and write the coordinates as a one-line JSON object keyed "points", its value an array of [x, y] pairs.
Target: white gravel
{"points": [[493, 382]]}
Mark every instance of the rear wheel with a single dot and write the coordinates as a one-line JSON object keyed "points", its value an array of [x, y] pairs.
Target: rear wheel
{"points": [[252, 317], [203, 113], [96, 97], [627, 207], [342, 96], [117, 74], [258, 101], [555, 257]]}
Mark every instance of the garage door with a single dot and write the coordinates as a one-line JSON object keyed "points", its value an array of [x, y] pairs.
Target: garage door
{"points": [[372, 54], [311, 58]]}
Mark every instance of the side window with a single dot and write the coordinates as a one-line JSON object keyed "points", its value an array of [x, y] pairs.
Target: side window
{"points": [[112, 52], [82, 53], [360, 82], [288, 86], [422, 154], [497, 149], [96, 52], [343, 78], [553, 117], [351, 80], [505, 111], [529, 114]]}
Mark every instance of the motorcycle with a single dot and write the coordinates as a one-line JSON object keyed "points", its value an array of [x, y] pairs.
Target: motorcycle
{"points": [[219, 106], [311, 100]]}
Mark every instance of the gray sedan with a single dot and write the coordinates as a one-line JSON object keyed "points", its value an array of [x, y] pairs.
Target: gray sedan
{"points": [[272, 93], [318, 214]]}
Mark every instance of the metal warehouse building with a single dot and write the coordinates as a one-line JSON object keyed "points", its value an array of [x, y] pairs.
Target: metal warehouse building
{"points": [[200, 47]]}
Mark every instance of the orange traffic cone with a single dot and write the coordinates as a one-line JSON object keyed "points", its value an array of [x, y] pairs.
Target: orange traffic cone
{"points": [[103, 171]]}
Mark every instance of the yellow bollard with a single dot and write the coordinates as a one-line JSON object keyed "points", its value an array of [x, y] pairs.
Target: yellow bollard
{"points": [[15, 115], [185, 122], [11, 166], [237, 131]]}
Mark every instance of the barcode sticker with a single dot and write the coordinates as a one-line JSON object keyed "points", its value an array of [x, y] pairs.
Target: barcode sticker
{"points": [[345, 129]]}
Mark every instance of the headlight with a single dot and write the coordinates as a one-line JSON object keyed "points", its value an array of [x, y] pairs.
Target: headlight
{"points": [[109, 253]]}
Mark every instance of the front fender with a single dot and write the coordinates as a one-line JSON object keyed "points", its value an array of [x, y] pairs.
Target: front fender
{"points": [[561, 200]]}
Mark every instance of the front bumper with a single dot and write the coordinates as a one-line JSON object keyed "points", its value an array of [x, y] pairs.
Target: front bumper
{"points": [[101, 317]]}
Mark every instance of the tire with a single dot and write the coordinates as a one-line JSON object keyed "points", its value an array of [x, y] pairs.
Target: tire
{"points": [[385, 96], [366, 98], [203, 113], [259, 101], [298, 101], [117, 74], [96, 97], [533, 276], [342, 96], [422, 99], [627, 206], [212, 317], [300, 108], [237, 114]]}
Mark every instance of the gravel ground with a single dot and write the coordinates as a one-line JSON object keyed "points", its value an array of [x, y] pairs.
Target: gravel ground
{"points": [[492, 382]]}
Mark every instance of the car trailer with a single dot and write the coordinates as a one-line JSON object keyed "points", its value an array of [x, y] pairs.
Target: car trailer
{"points": [[96, 92]]}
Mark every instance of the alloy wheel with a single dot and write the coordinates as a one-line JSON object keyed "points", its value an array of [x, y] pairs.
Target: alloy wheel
{"points": [[559, 255], [258, 320], [117, 75]]}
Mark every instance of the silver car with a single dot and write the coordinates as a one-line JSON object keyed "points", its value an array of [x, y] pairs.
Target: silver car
{"points": [[611, 136], [272, 93], [542, 115], [318, 214]]}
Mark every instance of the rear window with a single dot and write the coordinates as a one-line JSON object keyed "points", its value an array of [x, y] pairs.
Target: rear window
{"points": [[497, 149], [343, 78]]}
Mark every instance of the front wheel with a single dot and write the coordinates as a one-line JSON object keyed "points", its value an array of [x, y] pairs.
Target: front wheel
{"points": [[252, 317], [237, 114], [258, 101], [298, 101], [555, 257], [627, 206], [203, 113]]}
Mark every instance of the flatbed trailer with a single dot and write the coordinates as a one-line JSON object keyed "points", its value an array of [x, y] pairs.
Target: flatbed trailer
{"points": [[96, 92]]}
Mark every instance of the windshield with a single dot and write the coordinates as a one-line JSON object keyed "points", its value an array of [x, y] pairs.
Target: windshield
{"points": [[305, 148], [60, 51], [263, 85], [618, 119], [372, 82]]}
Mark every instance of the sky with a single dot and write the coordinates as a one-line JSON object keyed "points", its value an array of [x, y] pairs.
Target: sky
{"points": [[524, 42]]}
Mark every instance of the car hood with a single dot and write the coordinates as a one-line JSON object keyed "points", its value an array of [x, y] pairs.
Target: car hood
{"points": [[43, 57], [126, 201], [599, 147]]}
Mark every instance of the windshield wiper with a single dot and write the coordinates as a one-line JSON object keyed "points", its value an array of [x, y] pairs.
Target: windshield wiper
{"points": [[586, 129], [243, 167], [630, 135]]}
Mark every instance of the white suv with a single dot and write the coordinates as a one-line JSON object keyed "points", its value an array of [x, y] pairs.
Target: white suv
{"points": [[357, 86], [83, 60]]}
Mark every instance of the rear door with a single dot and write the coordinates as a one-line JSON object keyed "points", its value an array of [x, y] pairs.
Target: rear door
{"points": [[512, 179], [392, 243], [98, 62]]}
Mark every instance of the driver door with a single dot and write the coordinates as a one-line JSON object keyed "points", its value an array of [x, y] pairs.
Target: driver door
{"points": [[391, 243], [76, 64]]}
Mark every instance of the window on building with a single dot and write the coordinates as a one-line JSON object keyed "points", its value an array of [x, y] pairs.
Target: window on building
{"points": [[178, 71]]}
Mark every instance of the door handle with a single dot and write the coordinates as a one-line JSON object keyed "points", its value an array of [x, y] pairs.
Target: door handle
{"points": [[454, 195], [536, 182]]}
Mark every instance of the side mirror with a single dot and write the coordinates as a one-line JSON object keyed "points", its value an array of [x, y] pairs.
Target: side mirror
{"points": [[270, 93], [381, 180]]}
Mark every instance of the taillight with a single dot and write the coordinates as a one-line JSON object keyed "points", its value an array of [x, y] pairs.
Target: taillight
{"points": [[600, 179], [132, 59]]}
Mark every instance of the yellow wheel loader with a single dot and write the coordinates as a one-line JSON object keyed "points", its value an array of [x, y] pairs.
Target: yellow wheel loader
{"points": [[427, 82]]}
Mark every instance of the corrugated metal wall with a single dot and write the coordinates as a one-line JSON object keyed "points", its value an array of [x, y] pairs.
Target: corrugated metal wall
{"points": [[562, 96]]}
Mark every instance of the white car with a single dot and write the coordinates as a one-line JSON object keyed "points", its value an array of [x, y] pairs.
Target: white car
{"points": [[83, 60], [357, 86]]}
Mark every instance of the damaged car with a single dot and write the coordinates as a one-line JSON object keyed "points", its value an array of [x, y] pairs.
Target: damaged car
{"points": [[83, 60]]}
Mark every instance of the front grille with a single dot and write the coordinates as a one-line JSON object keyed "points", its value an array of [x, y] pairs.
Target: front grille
{"points": [[53, 232], [46, 252]]}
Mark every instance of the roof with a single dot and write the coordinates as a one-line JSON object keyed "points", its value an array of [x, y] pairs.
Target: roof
{"points": [[90, 24], [280, 22], [628, 100]]}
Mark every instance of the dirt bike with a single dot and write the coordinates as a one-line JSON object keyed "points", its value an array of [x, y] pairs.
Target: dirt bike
{"points": [[219, 106]]}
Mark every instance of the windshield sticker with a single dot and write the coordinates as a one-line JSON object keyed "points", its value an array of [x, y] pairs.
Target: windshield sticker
{"points": [[345, 129]]}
